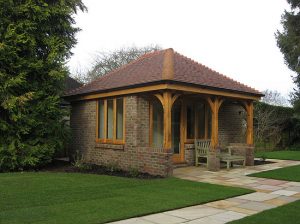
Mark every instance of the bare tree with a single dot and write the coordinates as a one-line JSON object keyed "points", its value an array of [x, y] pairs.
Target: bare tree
{"points": [[106, 62], [270, 121], [273, 97]]}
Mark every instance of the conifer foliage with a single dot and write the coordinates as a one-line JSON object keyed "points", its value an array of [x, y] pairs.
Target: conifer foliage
{"points": [[36, 37]]}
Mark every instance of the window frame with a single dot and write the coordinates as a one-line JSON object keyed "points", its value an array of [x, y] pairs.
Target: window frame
{"points": [[206, 119], [113, 140]]}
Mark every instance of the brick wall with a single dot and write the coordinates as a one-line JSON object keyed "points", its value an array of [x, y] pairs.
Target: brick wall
{"points": [[83, 126], [135, 154], [231, 124]]}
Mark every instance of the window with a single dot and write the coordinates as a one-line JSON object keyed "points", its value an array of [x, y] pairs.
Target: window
{"points": [[110, 119], [190, 116], [157, 122], [201, 120], [110, 122], [198, 121], [120, 114]]}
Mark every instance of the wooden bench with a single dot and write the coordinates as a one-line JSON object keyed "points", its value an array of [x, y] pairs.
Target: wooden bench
{"points": [[201, 150], [229, 158]]}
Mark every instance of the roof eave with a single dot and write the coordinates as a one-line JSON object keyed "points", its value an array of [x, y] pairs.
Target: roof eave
{"points": [[154, 83]]}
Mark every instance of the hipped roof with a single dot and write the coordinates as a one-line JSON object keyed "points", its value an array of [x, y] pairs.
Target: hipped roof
{"points": [[161, 67]]}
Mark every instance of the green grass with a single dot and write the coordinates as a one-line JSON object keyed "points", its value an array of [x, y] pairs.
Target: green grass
{"points": [[284, 214], [86, 198], [285, 155], [291, 173]]}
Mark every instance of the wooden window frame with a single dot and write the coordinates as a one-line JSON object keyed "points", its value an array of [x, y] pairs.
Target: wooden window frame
{"points": [[114, 140], [206, 113]]}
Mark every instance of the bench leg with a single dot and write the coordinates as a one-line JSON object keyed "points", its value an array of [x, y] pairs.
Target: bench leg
{"points": [[196, 161], [244, 163], [228, 165]]}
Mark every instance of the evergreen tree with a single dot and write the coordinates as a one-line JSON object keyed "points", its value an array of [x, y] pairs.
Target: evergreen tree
{"points": [[35, 40], [289, 42]]}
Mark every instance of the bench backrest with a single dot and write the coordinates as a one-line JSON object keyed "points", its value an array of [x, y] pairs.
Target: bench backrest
{"points": [[202, 146]]}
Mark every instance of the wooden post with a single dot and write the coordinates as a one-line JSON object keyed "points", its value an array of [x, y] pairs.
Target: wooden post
{"points": [[215, 106], [167, 105], [249, 109]]}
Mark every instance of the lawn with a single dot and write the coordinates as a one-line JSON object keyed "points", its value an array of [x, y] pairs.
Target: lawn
{"points": [[291, 173], [284, 214], [286, 155], [86, 198]]}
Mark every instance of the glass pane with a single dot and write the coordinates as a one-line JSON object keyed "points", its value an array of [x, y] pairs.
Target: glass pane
{"points": [[209, 123], [176, 128], [110, 119], [158, 125], [120, 118], [190, 113], [201, 120], [101, 119]]}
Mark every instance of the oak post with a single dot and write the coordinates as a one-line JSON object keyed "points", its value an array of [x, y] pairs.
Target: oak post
{"points": [[215, 106], [249, 108], [167, 105]]}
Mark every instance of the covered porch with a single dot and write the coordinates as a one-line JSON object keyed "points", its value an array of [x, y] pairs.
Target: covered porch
{"points": [[179, 116]]}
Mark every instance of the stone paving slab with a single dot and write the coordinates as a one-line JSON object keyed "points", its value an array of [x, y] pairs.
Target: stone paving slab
{"points": [[242, 210], [284, 192], [229, 216], [163, 218], [205, 220], [222, 204], [257, 206], [270, 194], [194, 212], [258, 196], [132, 221]]}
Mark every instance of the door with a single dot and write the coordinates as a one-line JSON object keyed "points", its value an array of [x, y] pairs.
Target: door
{"points": [[178, 155]]}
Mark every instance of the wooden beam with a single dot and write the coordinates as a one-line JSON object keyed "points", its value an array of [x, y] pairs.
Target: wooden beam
{"points": [[179, 87], [211, 92], [175, 97], [160, 98]]}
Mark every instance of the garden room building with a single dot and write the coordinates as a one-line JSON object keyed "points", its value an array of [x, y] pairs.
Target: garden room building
{"points": [[147, 114]]}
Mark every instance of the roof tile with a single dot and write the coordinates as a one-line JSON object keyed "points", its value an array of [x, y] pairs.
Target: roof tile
{"points": [[150, 68]]}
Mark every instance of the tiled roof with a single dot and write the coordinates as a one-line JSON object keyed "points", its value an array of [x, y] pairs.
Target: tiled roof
{"points": [[161, 66]]}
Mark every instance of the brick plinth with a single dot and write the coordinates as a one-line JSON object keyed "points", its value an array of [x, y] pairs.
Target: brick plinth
{"points": [[213, 160], [250, 156]]}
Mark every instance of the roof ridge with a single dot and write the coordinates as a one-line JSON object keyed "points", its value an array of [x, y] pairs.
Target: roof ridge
{"points": [[225, 76], [117, 70], [168, 64]]}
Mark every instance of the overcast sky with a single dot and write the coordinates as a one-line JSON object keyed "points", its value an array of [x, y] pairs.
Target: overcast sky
{"points": [[233, 37]]}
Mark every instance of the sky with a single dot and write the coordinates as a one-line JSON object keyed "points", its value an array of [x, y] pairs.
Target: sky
{"points": [[233, 37]]}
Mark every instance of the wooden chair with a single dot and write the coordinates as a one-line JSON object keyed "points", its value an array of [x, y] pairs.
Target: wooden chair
{"points": [[201, 150]]}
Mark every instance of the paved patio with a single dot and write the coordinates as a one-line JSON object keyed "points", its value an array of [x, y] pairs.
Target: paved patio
{"points": [[269, 194]]}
